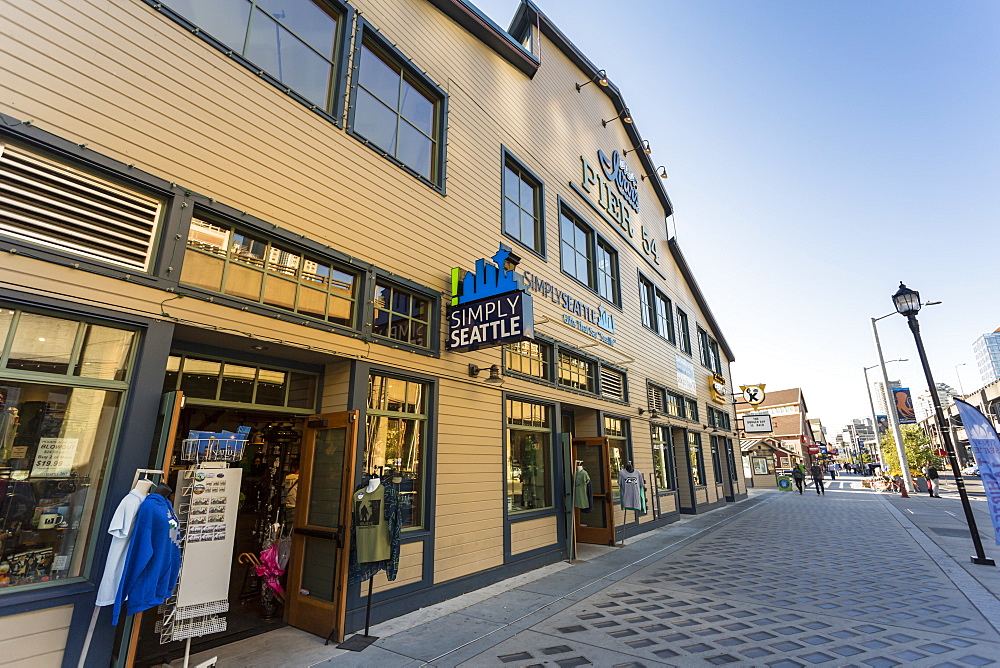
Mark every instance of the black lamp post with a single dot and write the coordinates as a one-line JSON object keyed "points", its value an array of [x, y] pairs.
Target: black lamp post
{"points": [[908, 304]]}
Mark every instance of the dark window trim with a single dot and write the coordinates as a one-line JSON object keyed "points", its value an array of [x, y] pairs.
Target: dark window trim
{"points": [[434, 321], [644, 280], [342, 52], [671, 455], [669, 390], [593, 250], [687, 328], [539, 341], [513, 517], [505, 155], [553, 383], [366, 30], [227, 215]]}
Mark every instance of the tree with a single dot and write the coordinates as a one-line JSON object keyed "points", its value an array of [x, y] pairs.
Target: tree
{"points": [[917, 446]]}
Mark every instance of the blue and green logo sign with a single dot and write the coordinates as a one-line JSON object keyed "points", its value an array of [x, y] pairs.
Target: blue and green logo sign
{"points": [[488, 306]]}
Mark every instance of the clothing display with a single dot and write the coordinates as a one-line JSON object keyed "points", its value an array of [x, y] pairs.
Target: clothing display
{"points": [[153, 560], [583, 491], [120, 530], [633, 490], [377, 522]]}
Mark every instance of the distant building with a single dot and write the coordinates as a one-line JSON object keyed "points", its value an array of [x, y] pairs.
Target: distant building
{"points": [[880, 402], [791, 427], [987, 352]]}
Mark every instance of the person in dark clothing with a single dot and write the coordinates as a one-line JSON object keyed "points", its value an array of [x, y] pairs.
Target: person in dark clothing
{"points": [[799, 477], [817, 476], [932, 480]]}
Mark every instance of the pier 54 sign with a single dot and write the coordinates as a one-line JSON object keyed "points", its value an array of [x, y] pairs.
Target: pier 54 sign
{"points": [[488, 307]]}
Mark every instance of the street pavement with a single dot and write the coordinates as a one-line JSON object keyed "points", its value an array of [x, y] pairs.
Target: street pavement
{"points": [[850, 578]]}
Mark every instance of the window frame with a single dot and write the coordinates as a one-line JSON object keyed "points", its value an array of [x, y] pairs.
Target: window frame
{"points": [[366, 33], [427, 457], [538, 186], [546, 363], [550, 408], [413, 290], [555, 348], [342, 50], [699, 459], [709, 351], [657, 310], [670, 469], [274, 238], [716, 459], [592, 371], [683, 331], [594, 240]]}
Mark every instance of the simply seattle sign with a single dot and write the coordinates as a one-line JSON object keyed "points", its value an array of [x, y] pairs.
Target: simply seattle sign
{"points": [[488, 307]]}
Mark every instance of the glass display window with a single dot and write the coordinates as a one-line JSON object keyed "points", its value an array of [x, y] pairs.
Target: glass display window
{"points": [[59, 411]]}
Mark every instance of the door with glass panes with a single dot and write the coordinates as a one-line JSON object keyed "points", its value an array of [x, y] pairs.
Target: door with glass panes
{"points": [[317, 573], [596, 526]]}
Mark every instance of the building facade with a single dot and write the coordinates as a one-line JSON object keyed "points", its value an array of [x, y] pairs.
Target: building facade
{"points": [[218, 216], [986, 350], [789, 422]]}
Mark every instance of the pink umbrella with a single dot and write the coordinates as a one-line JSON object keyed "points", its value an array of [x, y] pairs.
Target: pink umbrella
{"points": [[270, 571]]}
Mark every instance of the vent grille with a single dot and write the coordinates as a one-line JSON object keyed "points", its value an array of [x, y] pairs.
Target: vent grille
{"points": [[50, 204], [612, 384], [654, 396]]}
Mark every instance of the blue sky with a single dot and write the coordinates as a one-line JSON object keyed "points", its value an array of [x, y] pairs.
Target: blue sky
{"points": [[819, 153]]}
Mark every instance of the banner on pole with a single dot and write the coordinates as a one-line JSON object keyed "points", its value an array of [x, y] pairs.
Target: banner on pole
{"points": [[904, 405], [986, 447]]}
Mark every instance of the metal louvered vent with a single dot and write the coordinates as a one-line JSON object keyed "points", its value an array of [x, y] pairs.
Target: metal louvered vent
{"points": [[47, 203], [612, 384], [654, 395]]}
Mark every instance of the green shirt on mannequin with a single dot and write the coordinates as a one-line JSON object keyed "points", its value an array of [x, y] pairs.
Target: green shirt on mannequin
{"points": [[371, 528]]}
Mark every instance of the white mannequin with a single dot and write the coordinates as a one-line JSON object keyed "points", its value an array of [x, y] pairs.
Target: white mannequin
{"points": [[373, 484], [143, 486], [579, 465]]}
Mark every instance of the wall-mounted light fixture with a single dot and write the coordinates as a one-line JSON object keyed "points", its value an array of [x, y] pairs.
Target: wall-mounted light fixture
{"points": [[641, 411], [495, 377], [661, 171], [601, 78], [653, 414], [624, 115], [644, 146]]}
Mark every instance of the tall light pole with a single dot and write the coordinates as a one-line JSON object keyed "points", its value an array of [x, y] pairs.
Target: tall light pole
{"points": [[871, 403], [959, 376], [904, 465], [908, 304]]}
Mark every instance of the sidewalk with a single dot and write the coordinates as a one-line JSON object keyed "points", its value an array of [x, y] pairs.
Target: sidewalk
{"points": [[782, 579]]}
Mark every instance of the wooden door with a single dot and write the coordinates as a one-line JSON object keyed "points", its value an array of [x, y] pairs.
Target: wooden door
{"points": [[317, 573], [598, 525]]}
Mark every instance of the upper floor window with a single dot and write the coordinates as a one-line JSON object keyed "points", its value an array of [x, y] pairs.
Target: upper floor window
{"points": [[587, 257], [531, 358], [238, 382], [248, 265], [522, 205], [576, 372], [397, 110], [709, 351], [657, 309], [297, 43], [683, 332], [401, 315]]}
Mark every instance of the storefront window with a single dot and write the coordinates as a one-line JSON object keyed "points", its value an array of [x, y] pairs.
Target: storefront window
{"points": [[529, 456], [663, 464], [616, 431], [696, 458], [396, 435], [55, 437]]}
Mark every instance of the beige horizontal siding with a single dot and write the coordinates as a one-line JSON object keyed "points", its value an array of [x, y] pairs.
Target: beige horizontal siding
{"points": [[533, 534], [35, 639], [411, 565]]}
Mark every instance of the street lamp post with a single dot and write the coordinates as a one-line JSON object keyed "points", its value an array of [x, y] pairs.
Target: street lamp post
{"points": [[871, 404], [959, 376], [908, 304], [904, 465]]}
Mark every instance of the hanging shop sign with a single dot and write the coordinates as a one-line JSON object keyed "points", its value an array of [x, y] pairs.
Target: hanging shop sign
{"points": [[753, 394], [488, 307], [581, 315], [718, 388], [757, 424], [618, 196]]}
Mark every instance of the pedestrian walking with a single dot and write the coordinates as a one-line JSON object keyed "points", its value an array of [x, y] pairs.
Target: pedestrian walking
{"points": [[833, 471], [932, 475], [817, 475], [799, 477]]}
